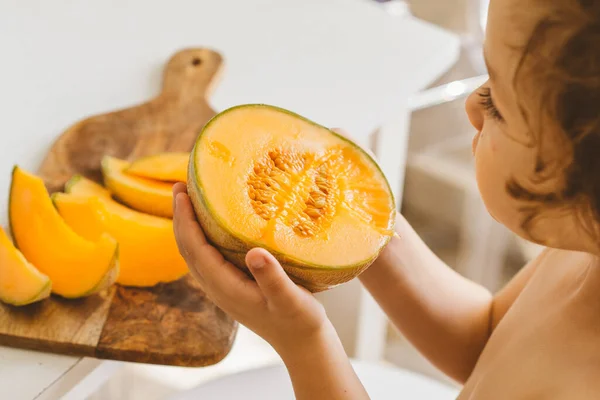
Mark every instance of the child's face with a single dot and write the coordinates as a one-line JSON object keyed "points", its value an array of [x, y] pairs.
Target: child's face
{"points": [[501, 149]]}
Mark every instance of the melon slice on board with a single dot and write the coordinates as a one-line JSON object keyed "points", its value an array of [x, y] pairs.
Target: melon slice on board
{"points": [[20, 282], [76, 266], [168, 167], [148, 251], [142, 194]]}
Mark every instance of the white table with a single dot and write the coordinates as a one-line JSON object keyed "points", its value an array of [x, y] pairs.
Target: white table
{"points": [[342, 63]]}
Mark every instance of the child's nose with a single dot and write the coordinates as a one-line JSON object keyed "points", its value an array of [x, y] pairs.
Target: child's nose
{"points": [[474, 111]]}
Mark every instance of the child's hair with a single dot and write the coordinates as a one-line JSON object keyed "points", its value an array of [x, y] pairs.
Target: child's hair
{"points": [[560, 70]]}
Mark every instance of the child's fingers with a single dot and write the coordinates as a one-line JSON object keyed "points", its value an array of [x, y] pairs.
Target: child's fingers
{"points": [[218, 277], [179, 187], [184, 230], [271, 278], [188, 234]]}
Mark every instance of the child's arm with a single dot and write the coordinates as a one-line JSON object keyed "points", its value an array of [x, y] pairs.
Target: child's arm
{"points": [[447, 317], [323, 371]]}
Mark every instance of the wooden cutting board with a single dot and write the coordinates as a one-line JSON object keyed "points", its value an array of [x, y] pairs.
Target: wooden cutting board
{"points": [[170, 324]]}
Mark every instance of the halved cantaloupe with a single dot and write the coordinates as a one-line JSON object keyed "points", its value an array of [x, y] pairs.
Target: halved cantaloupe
{"points": [[76, 266], [142, 194], [168, 167], [20, 282], [148, 251], [314, 199]]}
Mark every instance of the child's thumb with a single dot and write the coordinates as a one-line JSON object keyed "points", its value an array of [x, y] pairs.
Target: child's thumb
{"points": [[270, 276]]}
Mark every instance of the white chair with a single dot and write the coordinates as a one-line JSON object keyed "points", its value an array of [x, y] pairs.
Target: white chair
{"points": [[483, 243], [273, 383]]}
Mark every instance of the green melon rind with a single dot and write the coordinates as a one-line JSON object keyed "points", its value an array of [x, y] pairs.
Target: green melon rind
{"points": [[72, 182], [44, 293], [10, 191], [234, 248]]}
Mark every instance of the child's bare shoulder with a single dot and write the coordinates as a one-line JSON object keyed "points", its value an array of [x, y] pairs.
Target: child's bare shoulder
{"points": [[562, 279], [548, 339]]}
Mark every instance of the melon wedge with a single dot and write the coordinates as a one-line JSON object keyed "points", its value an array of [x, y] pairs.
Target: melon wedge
{"points": [[169, 167], [79, 185], [147, 248], [263, 176], [142, 194], [76, 266], [20, 282]]}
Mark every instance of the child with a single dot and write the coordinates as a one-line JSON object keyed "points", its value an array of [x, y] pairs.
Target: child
{"points": [[537, 157]]}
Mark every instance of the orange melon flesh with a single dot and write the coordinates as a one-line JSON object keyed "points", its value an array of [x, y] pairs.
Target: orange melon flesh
{"points": [[148, 251], [169, 167], [76, 266], [263, 176], [142, 194], [20, 282]]}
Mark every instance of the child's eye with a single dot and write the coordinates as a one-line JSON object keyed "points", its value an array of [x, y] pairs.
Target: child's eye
{"points": [[487, 102]]}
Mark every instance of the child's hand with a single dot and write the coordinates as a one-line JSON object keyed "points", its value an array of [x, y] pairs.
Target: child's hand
{"points": [[284, 314]]}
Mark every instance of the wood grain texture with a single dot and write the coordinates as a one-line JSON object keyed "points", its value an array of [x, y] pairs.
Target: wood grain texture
{"points": [[169, 122], [171, 324], [57, 325]]}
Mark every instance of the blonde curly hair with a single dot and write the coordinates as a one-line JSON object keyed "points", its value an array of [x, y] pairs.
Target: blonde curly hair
{"points": [[559, 69]]}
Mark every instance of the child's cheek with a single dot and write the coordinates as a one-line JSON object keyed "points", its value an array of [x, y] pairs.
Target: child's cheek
{"points": [[492, 143], [475, 142]]}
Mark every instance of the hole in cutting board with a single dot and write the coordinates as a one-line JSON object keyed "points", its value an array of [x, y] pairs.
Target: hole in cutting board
{"points": [[196, 61]]}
